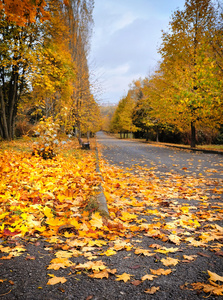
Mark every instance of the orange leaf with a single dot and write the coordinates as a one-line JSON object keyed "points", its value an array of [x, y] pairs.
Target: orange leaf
{"points": [[160, 271], [56, 280], [152, 291]]}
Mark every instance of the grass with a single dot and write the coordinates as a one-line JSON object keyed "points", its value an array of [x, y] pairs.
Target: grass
{"points": [[211, 147]]}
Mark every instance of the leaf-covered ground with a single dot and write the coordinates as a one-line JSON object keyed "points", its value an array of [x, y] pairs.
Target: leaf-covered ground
{"points": [[164, 235]]}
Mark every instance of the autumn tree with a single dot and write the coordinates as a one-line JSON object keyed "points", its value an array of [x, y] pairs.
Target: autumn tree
{"points": [[191, 66], [80, 27], [122, 118], [106, 114], [19, 35], [54, 71]]}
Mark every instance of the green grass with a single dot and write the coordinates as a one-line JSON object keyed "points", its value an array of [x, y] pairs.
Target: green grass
{"points": [[211, 147]]}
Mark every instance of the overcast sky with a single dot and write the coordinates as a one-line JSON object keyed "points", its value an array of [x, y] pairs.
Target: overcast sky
{"points": [[124, 45]]}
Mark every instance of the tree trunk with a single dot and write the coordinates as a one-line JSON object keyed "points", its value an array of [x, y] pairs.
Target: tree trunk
{"points": [[157, 135], [193, 135], [147, 135], [3, 119]]}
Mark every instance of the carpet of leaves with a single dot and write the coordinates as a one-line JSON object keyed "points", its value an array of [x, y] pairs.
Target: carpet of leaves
{"points": [[46, 199]]}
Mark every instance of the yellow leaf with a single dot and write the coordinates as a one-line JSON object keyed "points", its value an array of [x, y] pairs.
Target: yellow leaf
{"points": [[169, 261], [56, 280], [96, 220], [109, 252], [148, 277], [63, 254], [184, 209], [96, 265], [125, 277], [47, 212], [126, 216], [54, 222]]}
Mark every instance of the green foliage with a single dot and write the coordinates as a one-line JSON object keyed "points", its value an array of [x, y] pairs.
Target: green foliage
{"points": [[47, 131]]}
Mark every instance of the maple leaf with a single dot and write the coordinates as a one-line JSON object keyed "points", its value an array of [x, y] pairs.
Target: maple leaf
{"points": [[148, 277], [125, 277], [169, 261], [219, 228], [126, 216], [166, 250], [208, 288], [175, 239], [96, 265], [136, 282], [96, 220], [144, 252], [152, 290], [109, 252], [47, 212], [58, 263], [102, 274], [56, 280], [160, 271], [189, 257], [215, 277], [63, 254]]}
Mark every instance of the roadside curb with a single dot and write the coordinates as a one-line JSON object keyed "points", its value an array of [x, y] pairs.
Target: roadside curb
{"points": [[100, 196], [195, 149]]}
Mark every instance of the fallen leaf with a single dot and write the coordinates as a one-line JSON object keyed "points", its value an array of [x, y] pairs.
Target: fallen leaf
{"points": [[215, 277], [160, 271], [56, 280], [148, 277], [152, 290], [169, 261], [189, 257], [100, 275], [125, 277], [136, 282]]}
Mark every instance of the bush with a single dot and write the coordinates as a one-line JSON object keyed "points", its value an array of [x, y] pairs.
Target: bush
{"points": [[47, 131], [23, 127]]}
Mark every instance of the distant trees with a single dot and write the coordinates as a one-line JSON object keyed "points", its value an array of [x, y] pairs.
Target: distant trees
{"points": [[122, 120], [186, 90]]}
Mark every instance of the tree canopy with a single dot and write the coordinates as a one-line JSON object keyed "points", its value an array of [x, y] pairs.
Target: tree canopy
{"points": [[43, 66]]}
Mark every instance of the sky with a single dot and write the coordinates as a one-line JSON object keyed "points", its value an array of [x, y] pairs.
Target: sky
{"points": [[124, 44]]}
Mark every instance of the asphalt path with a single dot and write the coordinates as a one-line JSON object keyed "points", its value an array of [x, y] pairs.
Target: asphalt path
{"points": [[131, 154]]}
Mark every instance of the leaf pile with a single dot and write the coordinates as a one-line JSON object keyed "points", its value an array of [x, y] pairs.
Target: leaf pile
{"points": [[41, 198]]}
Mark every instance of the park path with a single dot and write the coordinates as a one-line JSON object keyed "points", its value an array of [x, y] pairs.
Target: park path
{"points": [[129, 154]]}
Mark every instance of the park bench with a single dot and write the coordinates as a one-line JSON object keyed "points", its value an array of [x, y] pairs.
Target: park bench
{"points": [[84, 145]]}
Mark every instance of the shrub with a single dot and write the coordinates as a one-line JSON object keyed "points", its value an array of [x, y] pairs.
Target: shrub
{"points": [[47, 131], [23, 127]]}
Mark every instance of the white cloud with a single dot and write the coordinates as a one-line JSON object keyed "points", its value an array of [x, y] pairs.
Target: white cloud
{"points": [[127, 34]]}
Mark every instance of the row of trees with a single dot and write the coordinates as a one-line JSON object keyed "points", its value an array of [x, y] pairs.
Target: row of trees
{"points": [[186, 90], [43, 63]]}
